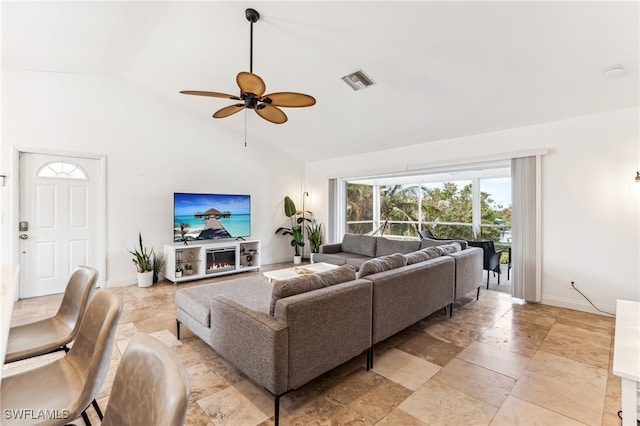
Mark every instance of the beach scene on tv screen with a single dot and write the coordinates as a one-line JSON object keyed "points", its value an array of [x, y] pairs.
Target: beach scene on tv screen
{"points": [[211, 216]]}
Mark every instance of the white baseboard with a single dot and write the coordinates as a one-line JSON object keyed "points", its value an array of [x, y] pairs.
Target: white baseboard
{"points": [[577, 305]]}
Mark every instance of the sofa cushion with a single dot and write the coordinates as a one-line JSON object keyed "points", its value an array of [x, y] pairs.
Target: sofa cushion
{"points": [[359, 244], [338, 275], [385, 246], [422, 255], [449, 248], [196, 300], [427, 242], [381, 264], [433, 251], [293, 286], [357, 261], [310, 282], [333, 258]]}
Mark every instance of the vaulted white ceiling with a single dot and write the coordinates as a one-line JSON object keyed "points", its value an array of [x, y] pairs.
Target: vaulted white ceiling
{"points": [[443, 69]]}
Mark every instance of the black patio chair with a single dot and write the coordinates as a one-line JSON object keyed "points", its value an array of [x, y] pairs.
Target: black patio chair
{"points": [[491, 261], [426, 234]]}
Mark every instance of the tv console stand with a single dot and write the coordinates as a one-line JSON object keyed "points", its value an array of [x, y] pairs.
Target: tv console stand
{"points": [[205, 259]]}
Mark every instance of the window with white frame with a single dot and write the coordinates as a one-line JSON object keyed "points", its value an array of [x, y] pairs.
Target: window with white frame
{"points": [[465, 203]]}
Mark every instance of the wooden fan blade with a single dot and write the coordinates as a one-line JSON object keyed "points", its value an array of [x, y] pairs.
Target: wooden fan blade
{"points": [[271, 113], [250, 83], [227, 111], [212, 94], [290, 99]]}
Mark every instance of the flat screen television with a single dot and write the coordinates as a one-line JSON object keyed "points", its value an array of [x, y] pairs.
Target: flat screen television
{"points": [[211, 216]]}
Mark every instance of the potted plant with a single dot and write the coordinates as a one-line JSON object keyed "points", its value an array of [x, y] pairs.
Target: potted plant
{"points": [[188, 269], [297, 219], [178, 272], [314, 235], [144, 265], [157, 266]]}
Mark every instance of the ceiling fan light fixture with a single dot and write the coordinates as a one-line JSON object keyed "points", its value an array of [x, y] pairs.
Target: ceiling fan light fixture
{"points": [[252, 90], [358, 80]]}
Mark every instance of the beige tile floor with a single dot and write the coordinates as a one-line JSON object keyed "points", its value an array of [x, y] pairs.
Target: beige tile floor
{"points": [[494, 363]]}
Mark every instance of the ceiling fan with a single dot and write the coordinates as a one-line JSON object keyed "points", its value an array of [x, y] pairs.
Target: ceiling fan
{"points": [[252, 90]]}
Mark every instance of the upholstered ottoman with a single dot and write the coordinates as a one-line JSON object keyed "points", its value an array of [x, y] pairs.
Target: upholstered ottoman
{"points": [[194, 303]]}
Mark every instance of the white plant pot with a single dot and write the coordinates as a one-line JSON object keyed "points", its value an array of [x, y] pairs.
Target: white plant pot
{"points": [[178, 274], [311, 257], [297, 260], [145, 279]]}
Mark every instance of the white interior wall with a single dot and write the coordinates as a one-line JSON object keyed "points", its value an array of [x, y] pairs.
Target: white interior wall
{"points": [[590, 202], [591, 219], [152, 149]]}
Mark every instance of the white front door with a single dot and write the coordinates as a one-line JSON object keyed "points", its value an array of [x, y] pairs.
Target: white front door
{"points": [[57, 227]]}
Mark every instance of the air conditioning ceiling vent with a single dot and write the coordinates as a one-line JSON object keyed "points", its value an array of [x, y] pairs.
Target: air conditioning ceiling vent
{"points": [[358, 80]]}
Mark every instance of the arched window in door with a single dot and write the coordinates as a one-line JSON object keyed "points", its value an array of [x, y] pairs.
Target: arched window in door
{"points": [[61, 170]]}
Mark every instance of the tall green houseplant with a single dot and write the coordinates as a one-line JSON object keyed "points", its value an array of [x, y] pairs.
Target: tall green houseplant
{"points": [[314, 235], [144, 261], [142, 257], [297, 219]]}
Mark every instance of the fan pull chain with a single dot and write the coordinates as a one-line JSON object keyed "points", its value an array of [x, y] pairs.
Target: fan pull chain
{"points": [[245, 127]]}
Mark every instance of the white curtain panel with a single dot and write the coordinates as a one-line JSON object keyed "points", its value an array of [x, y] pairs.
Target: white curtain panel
{"points": [[526, 232], [336, 223]]}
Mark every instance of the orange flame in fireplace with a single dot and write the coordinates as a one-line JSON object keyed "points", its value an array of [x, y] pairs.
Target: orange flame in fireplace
{"points": [[220, 266]]}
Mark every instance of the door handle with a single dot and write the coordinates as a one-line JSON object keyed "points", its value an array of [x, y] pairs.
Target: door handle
{"points": [[24, 236]]}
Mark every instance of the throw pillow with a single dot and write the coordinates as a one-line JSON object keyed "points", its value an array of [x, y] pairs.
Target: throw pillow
{"points": [[338, 275], [449, 248], [293, 286], [421, 255], [433, 252], [381, 264], [433, 243]]}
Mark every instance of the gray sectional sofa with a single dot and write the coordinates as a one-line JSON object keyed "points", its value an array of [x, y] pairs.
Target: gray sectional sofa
{"points": [[357, 249], [284, 334]]}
